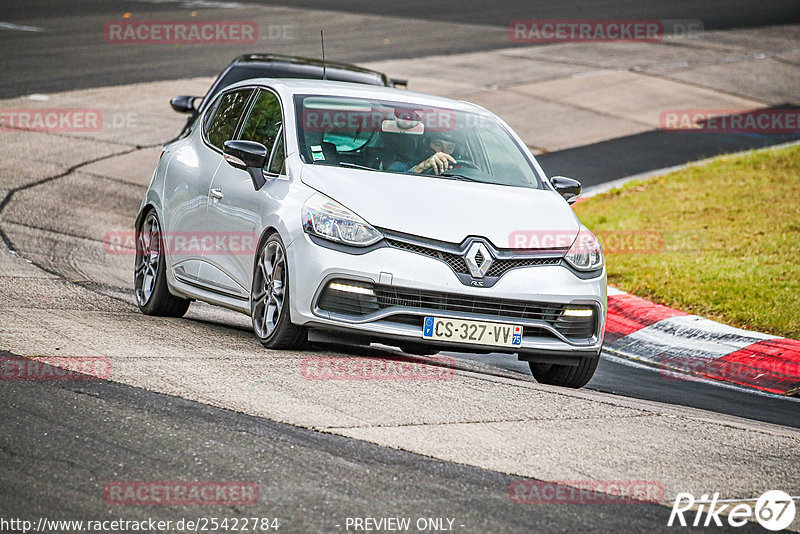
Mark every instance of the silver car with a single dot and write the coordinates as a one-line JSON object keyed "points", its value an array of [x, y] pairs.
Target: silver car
{"points": [[326, 209]]}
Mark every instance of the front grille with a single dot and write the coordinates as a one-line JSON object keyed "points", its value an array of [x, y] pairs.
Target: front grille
{"points": [[384, 297], [456, 261], [501, 267], [389, 296]]}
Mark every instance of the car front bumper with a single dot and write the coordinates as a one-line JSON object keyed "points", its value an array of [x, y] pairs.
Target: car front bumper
{"points": [[411, 285]]}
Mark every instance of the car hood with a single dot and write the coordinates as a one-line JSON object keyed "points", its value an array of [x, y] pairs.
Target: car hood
{"points": [[448, 210]]}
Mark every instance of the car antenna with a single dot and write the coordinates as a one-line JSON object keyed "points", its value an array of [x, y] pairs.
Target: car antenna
{"points": [[324, 71]]}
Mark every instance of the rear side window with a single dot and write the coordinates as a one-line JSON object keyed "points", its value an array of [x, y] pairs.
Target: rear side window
{"points": [[277, 162], [222, 126]]}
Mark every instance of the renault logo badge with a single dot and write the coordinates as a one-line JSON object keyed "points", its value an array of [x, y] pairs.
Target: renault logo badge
{"points": [[478, 259]]}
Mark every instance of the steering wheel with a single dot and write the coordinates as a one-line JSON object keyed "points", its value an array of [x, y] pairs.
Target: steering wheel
{"points": [[465, 163]]}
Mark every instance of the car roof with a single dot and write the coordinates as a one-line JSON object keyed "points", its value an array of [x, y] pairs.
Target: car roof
{"points": [[291, 86], [297, 60], [274, 66], [250, 66]]}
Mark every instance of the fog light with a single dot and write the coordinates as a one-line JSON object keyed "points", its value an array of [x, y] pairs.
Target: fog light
{"points": [[349, 288], [578, 312]]}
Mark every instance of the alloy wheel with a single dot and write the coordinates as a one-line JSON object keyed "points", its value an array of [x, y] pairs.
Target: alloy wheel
{"points": [[148, 253], [268, 289]]}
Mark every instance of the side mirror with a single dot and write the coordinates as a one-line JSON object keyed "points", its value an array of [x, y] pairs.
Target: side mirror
{"points": [[398, 82], [183, 104], [566, 187], [249, 156]]}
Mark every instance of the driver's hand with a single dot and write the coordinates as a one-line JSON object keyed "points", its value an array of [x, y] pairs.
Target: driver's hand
{"points": [[439, 162]]}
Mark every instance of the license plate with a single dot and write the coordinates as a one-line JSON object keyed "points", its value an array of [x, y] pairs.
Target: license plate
{"points": [[475, 332]]}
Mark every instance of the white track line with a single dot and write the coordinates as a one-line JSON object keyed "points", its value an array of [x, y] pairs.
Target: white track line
{"points": [[198, 4], [18, 27]]}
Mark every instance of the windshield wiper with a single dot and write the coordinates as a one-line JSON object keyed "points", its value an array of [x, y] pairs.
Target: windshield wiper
{"points": [[455, 176], [354, 166]]}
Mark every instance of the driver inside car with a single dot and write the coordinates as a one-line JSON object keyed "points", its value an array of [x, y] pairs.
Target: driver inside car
{"points": [[441, 146]]}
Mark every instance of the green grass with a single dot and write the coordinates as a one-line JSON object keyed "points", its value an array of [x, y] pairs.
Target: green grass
{"points": [[728, 239]]}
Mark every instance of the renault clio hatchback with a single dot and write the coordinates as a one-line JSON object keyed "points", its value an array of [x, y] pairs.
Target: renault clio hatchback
{"points": [[336, 209]]}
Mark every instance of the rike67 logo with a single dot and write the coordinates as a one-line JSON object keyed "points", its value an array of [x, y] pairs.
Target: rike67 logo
{"points": [[774, 510]]}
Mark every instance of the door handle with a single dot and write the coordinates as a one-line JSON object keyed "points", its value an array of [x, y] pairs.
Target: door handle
{"points": [[216, 193]]}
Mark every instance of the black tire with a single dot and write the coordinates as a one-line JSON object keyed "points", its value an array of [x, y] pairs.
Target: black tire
{"points": [[418, 349], [156, 300], [570, 376], [280, 334]]}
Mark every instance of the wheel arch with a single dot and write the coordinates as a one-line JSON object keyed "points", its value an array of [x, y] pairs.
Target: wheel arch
{"points": [[265, 234], [144, 210]]}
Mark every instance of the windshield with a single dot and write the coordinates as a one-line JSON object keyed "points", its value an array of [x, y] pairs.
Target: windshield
{"points": [[399, 137]]}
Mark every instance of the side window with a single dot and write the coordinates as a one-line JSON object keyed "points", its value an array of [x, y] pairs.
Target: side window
{"points": [[508, 167], [222, 126], [264, 121], [276, 163], [209, 115]]}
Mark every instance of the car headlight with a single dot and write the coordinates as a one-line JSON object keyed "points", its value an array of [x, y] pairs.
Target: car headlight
{"points": [[326, 218], [586, 253]]}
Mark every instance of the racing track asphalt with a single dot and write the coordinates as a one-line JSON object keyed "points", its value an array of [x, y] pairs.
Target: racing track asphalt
{"points": [[618, 158], [62, 442], [70, 52], [311, 479], [72, 35], [622, 377]]}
